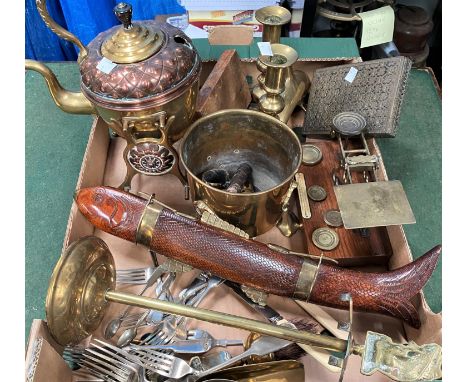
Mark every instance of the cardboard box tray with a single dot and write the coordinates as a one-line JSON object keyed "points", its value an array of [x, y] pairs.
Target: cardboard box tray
{"points": [[103, 165]]}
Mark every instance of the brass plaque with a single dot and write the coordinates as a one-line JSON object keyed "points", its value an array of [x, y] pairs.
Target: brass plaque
{"points": [[373, 204]]}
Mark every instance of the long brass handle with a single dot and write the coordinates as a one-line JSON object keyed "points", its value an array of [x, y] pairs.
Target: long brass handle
{"points": [[58, 30], [299, 336]]}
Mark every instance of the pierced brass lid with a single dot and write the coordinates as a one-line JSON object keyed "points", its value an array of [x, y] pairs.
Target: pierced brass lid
{"points": [[75, 303], [132, 42]]}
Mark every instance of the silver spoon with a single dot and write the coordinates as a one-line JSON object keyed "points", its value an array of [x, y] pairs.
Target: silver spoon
{"points": [[114, 325], [129, 334]]}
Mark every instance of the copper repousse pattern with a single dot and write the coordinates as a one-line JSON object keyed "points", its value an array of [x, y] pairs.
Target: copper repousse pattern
{"points": [[254, 264], [170, 70]]}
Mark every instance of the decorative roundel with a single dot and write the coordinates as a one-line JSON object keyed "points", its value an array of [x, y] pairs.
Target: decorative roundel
{"points": [[349, 123], [151, 158]]}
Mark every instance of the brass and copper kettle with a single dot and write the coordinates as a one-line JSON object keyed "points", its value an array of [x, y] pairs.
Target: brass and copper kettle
{"points": [[142, 78]]}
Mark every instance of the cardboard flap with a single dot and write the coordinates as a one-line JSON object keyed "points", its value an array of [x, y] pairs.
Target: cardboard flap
{"points": [[231, 35], [38, 364]]}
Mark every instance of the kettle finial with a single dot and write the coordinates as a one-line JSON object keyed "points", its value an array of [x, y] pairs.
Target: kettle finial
{"points": [[123, 11]]}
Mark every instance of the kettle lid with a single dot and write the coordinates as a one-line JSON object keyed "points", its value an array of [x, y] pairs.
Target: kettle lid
{"points": [[132, 42]]}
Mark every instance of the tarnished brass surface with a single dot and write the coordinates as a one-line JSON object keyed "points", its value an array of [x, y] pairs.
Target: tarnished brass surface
{"points": [[302, 193], [288, 224], [75, 303], [294, 84], [306, 279], [69, 102], [148, 220], [400, 362], [273, 80], [272, 18], [132, 42], [373, 204], [59, 31], [274, 371], [149, 149], [226, 139], [215, 221]]}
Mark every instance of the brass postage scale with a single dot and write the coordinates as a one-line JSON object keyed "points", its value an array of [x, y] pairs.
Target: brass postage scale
{"points": [[241, 169]]}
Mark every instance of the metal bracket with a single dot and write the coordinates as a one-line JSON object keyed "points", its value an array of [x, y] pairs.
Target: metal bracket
{"points": [[345, 326], [257, 296]]}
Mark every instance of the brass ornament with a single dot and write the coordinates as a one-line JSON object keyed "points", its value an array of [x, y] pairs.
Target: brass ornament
{"points": [[151, 158], [408, 362], [288, 224]]}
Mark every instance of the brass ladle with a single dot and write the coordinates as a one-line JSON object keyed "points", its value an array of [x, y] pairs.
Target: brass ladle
{"points": [[83, 281]]}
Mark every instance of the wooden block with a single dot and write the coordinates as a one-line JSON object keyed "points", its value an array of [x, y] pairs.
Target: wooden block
{"points": [[225, 88], [353, 249]]}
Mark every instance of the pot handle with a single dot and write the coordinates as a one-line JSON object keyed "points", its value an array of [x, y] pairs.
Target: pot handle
{"points": [[59, 31]]}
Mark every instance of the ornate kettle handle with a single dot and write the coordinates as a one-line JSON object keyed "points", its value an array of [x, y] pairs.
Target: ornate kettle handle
{"points": [[58, 30]]}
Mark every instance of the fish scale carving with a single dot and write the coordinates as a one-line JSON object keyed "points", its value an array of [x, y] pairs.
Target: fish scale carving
{"points": [[225, 254], [252, 263]]}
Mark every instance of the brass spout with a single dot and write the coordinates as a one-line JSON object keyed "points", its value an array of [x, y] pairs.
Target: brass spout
{"points": [[70, 102]]}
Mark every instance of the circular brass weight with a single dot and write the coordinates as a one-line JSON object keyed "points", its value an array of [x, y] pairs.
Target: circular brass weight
{"points": [[349, 123], [311, 154], [333, 218], [317, 193], [75, 303], [325, 238]]}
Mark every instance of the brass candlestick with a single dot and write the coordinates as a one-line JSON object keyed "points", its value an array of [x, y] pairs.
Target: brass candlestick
{"points": [[296, 83], [272, 82], [272, 18], [83, 283]]}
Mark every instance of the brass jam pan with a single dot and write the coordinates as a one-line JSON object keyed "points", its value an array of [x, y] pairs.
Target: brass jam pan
{"points": [[225, 140]]}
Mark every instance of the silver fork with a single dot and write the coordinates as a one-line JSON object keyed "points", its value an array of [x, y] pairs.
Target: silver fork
{"points": [[134, 276], [191, 345], [170, 366], [114, 364], [72, 356], [104, 362]]}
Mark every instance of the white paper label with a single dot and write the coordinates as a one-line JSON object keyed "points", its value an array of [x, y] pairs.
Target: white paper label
{"points": [[106, 65], [351, 75], [265, 48]]}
